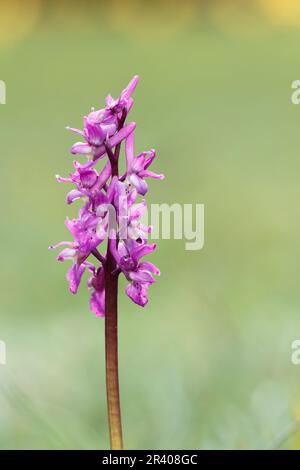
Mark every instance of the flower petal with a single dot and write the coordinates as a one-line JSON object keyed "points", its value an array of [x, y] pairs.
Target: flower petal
{"points": [[151, 155], [67, 253], [129, 150], [95, 135], [97, 300], [138, 293], [142, 276], [73, 195], [76, 131], [137, 210], [104, 175], [129, 105], [53, 247], [139, 183], [151, 174], [81, 148], [60, 179], [74, 276], [143, 250], [127, 92], [97, 303], [147, 265], [116, 251]]}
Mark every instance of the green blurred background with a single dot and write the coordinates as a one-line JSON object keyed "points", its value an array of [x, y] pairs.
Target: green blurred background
{"points": [[208, 363]]}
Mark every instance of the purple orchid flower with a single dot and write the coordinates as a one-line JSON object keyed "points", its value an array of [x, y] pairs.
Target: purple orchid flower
{"points": [[87, 180], [137, 167], [124, 101], [111, 210], [103, 125], [78, 267]]}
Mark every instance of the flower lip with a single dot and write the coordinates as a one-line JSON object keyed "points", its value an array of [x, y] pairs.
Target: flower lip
{"points": [[88, 178], [127, 263]]}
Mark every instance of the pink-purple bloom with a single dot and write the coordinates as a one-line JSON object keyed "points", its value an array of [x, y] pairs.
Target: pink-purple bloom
{"points": [[137, 167], [111, 207]]}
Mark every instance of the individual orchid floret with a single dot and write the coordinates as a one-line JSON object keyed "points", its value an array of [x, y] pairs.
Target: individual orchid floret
{"points": [[85, 234], [84, 231], [95, 133], [124, 101], [78, 267], [99, 126], [140, 274], [137, 167]]}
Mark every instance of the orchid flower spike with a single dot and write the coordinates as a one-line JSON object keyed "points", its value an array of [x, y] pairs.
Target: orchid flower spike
{"points": [[106, 196]]}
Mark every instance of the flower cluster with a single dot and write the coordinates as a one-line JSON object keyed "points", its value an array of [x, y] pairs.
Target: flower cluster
{"points": [[110, 207]]}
